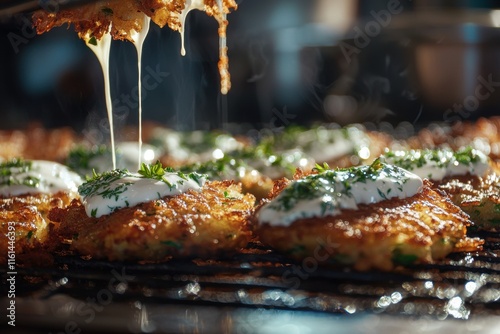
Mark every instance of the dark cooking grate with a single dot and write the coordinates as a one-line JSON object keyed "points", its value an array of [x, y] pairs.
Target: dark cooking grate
{"points": [[464, 285]]}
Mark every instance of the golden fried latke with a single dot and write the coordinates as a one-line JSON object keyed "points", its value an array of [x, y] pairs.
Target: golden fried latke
{"points": [[477, 196], [211, 222], [420, 229], [167, 13], [94, 19], [26, 217], [122, 18], [37, 143], [483, 135]]}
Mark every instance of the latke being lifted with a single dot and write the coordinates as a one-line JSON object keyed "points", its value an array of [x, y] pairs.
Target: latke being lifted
{"points": [[125, 18]]}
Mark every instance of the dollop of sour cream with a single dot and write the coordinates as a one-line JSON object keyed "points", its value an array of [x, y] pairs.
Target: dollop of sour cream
{"points": [[18, 177], [440, 163], [119, 189], [331, 191]]}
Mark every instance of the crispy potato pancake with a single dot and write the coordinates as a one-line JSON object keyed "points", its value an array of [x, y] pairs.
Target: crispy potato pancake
{"points": [[211, 222], [467, 176], [227, 168], [483, 135], [37, 143], [339, 147], [26, 216], [477, 196], [94, 19], [168, 12], [420, 229], [125, 17]]}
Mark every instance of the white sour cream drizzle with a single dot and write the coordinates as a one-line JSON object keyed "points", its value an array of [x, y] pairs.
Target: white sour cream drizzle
{"points": [[190, 5], [439, 164], [328, 193], [138, 41], [37, 176], [102, 51], [119, 189]]}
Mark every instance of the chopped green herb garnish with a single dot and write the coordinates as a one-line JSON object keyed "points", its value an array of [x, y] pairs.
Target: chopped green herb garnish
{"points": [[381, 193], [92, 40], [321, 169], [112, 184], [157, 172], [227, 196], [330, 184], [100, 184], [107, 11], [11, 173], [403, 259], [173, 244], [441, 158], [297, 249], [80, 158]]}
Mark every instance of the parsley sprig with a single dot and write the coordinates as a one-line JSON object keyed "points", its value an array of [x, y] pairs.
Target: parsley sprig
{"points": [[321, 168], [102, 183], [156, 172]]}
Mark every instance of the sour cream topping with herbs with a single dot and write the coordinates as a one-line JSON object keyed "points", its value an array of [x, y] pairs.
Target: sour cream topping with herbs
{"points": [[85, 160], [18, 177], [118, 189], [331, 191], [438, 164], [324, 144]]}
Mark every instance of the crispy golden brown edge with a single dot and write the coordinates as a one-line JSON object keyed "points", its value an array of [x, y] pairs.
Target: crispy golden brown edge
{"points": [[27, 217], [420, 229], [478, 196], [94, 19]]}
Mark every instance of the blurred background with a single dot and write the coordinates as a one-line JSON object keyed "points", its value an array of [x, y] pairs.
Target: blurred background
{"points": [[291, 62]]}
